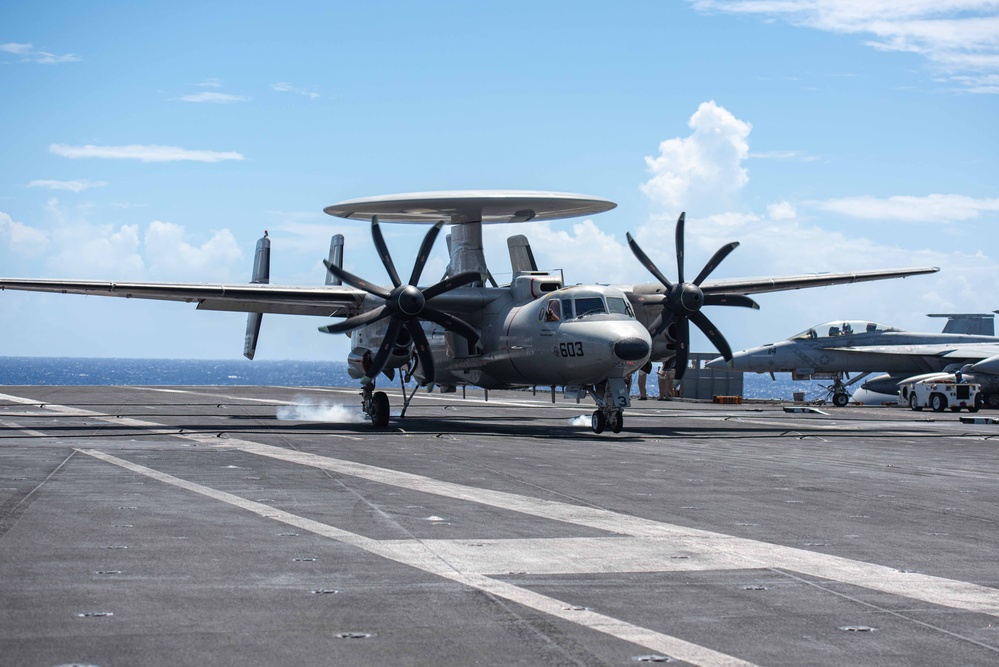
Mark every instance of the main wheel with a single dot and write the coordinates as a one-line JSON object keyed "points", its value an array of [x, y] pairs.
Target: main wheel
{"points": [[913, 403], [379, 410], [841, 400], [617, 421], [938, 402], [991, 400], [598, 421]]}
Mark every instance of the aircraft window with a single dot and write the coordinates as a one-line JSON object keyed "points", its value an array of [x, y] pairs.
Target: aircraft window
{"points": [[553, 311], [616, 304], [589, 305], [567, 308]]}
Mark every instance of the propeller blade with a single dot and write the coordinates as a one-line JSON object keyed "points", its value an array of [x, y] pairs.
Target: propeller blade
{"points": [[451, 323], [424, 254], [451, 283], [354, 281], [730, 300], [711, 331], [644, 259], [662, 323], [357, 321], [383, 252], [679, 247], [715, 260], [422, 348], [385, 349], [655, 324], [682, 346]]}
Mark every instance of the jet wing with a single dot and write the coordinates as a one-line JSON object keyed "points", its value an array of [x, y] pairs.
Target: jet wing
{"points": [[329, 301], [768, 284], [970, 351]]}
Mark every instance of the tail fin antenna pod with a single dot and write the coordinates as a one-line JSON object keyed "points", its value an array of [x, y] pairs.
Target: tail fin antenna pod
{"points": [[521, 257], [336, 259], [261, 276]]}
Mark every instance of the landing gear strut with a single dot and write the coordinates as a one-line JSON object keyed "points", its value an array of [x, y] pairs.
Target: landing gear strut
{"points": [[611, 397], [375, 405]]}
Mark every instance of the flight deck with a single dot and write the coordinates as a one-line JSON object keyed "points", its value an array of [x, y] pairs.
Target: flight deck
{"points": [[274, 526]]}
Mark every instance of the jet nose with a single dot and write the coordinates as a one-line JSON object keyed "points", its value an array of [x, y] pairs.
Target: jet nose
{"points": [[632, 349], [718, 363]]}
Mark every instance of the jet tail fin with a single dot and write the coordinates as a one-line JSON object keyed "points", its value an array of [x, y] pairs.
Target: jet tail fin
{"points": [[261, 276], [976, 324]]}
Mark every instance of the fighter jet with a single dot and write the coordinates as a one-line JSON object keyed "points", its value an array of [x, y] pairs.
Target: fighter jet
{"points": [[832, 350]]}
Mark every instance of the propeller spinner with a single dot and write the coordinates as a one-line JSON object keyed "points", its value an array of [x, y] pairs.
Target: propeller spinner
{"points": [[682, 301], [405, 305]]}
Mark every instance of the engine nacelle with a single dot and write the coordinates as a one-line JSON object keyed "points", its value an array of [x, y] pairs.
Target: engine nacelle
{"points": [[990, 365], [359, 359], [358, 362]]}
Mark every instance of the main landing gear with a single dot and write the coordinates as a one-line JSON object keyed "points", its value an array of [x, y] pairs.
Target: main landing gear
{"points": [[375, 405]]}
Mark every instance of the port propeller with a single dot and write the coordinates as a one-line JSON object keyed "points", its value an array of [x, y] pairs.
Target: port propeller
{"points": [[682, 301], [405, 305]]}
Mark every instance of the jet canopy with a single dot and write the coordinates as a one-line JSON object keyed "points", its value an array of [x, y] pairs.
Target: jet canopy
{"points": [[842, 328]]}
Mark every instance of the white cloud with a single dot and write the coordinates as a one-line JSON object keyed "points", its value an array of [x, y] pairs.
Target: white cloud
{"points": [[781, 210], [957, 36], [704, 169], [169, 255], [931, 208], [214, 98], [283, 87], [210, 83], [144, 153], [72, 186], [29, 54], [22, 238]]}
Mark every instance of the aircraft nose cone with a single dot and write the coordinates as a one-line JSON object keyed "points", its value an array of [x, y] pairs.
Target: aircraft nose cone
{"points": [[717, 363], [631, 349]]}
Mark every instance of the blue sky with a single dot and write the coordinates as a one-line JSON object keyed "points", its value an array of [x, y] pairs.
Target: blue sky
{"points": [[147, 141]]}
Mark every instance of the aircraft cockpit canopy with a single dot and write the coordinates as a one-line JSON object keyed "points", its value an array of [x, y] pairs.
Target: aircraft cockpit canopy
{"points": [[565, 307], [842, 328]]}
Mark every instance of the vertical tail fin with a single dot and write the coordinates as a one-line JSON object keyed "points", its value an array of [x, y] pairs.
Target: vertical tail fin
{"points": [[261, 276], [336, 259]]}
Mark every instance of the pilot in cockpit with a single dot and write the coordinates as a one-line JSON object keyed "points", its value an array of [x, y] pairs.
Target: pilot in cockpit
{"points": [[553, 313]]}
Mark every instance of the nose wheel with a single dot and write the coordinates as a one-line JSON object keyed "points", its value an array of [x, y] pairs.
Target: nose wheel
{"points": [[602, 419]]}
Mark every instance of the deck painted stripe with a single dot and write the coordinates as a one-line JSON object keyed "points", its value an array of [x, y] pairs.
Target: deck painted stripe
{"points": [[742, 552], [429, 561]]}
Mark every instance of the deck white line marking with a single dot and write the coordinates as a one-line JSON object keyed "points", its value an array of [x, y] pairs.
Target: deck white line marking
{"points": [[748, 553], [22, 429], [743, 552], [430, 561]]}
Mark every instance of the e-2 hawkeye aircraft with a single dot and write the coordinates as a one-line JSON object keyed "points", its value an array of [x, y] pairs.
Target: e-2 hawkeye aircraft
{"points": [[465, 329]]}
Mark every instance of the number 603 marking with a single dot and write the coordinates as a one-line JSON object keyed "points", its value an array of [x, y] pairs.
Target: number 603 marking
{"points": [[571, 349]]}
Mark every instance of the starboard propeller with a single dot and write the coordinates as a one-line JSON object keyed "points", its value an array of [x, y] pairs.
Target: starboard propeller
{"points": [[405, 305], [682, 301]]}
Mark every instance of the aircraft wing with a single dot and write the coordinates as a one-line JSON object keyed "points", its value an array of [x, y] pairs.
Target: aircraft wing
{"points": [[969, 351], [329, 301], [768, 284]]}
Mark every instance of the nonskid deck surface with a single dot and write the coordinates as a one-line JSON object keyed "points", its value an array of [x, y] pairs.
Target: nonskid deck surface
{"points": [[267, 525]]}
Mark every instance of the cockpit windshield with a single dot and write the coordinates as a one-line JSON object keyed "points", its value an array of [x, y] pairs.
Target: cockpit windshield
{"points": [[589, 305], [842, 328], [617, 305]]}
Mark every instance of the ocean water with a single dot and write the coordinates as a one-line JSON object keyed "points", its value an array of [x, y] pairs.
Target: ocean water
{"points": [[159, 372], [137, 372]]}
